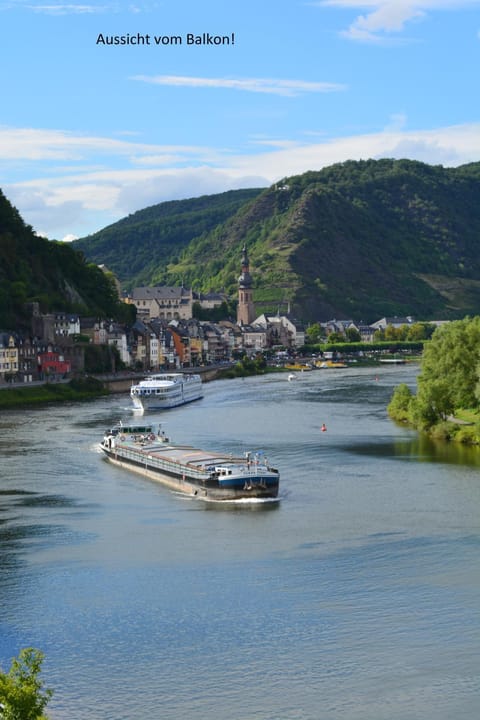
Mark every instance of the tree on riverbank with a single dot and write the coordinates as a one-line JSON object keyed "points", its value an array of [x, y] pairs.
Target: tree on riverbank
{"points": [[22, 694], [448, 384]]}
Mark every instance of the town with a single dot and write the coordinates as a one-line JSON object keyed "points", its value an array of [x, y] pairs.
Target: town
{"points": [[166, 335]]}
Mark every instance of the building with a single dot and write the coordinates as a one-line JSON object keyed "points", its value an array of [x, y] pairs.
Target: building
{"points": [[51, 327], [65, 324], [8, 356], [117, 338], [162, 301], [254, 338], [282, 330], [181, 342], [52, 363], [246, 308], [395, 322], [210, 301], [27, 359]]}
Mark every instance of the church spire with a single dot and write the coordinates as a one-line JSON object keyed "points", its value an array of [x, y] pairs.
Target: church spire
{"points": [[246, 308], [245, 279]]}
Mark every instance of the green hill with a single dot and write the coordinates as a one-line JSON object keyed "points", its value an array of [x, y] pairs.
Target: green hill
{"points": [[357, 239], [140, 247], [50, 273]]}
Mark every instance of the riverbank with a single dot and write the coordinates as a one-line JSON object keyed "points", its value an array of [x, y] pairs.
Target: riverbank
{"points": [[461, 426], [76, 390], [81, 389]]}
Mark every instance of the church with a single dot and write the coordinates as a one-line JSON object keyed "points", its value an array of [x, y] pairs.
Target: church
{"points": [[265, 330], [246, 308]]}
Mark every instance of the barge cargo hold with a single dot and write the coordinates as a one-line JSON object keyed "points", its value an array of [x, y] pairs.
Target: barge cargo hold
{"points": [[200, 473]]}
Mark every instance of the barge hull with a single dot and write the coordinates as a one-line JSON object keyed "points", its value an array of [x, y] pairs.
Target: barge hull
{"points": [[197, 489]]}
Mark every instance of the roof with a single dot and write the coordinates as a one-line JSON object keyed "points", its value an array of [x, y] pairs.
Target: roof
{"points": [[160, 292]]}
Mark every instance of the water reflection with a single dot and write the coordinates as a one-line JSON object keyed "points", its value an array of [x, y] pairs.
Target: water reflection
{"points": [[355, 597], [420, 448]]}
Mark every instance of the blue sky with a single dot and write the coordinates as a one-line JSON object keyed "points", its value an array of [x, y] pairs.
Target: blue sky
{"points": [[90, 131]]}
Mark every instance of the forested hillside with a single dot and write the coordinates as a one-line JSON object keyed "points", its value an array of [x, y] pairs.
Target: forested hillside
{"points": [[357, 239], [53, 274], [140, 247]]}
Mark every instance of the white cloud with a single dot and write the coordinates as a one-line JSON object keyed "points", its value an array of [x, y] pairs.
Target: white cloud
{"points": [[72, 9], [271, 86], [279, 143], [82, 199], [75, 8], [384, 17], [18, 144], [397, 122], [449, 146]]}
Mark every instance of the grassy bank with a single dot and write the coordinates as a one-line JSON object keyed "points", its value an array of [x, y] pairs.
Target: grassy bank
{"points": [[446, 404], [462, 426], [73, 391]]}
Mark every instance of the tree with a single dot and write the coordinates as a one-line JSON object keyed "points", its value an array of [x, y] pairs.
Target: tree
{"points": [[336, 337], [419, 331], [449, 379], [450, 363], [21, 691], [314, 333], [353, 334], [399, 406]]}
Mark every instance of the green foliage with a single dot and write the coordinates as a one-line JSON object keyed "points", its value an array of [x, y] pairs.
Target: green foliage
{"points": [[449, 383], [334, 338], [352, 335], [32, 269], [246, 366], [358, 239], [313, 333], [415, 332], [468, 435], [367, 347], [145, 248], [399, 407], [216, 314], [102, 359], [22, 693], [450, 366], [73, 391], [443, 431]]}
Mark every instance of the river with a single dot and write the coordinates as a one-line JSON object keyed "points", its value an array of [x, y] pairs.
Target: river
{"points": [[355, 597]]}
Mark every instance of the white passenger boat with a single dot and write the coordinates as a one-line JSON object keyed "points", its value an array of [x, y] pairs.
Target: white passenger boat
{"points": [[166, 390], [199, 473]]}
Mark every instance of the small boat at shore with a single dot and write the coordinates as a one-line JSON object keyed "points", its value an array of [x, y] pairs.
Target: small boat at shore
{"points": [[331, 364], [298, 367], [166, 390], [199, 473]]}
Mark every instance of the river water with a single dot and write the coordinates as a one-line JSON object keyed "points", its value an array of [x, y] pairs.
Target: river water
{"points": [[355, 597]]}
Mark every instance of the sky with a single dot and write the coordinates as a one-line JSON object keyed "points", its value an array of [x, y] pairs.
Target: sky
{"points": [[110, 106]]}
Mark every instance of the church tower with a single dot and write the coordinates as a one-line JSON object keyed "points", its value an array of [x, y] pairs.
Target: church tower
{"points": [[246, 308]]}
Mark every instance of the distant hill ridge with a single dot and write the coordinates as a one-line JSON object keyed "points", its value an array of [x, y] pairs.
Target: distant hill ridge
{"points": [[139, 247], [359, 239]]}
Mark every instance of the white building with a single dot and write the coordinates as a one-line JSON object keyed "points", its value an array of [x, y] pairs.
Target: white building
{"points": [[282, 330], [66, 324], [162, 301], [8, 355]]}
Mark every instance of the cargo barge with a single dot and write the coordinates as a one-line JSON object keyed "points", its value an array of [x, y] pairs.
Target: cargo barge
{"points": [[207, 475]]}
